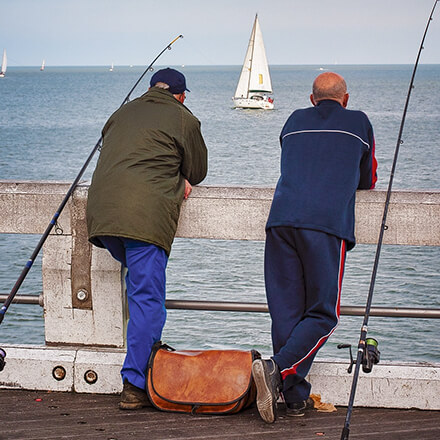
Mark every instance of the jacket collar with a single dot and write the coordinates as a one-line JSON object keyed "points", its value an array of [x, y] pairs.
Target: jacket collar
{"points": [[328, 102], [156, 93]]}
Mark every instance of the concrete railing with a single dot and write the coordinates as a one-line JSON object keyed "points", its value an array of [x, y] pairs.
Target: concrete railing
{"points": [[83, 300], [84, 304]]}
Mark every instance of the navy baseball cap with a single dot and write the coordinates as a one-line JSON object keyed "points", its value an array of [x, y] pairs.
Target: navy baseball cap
{"points": [[172, 77]]}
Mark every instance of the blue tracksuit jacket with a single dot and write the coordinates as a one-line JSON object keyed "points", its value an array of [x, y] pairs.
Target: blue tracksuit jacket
{"points": [[327, 154]]}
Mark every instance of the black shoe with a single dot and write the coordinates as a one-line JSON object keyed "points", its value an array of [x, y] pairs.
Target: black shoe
{"points": [[267, 379], [298, 409], [133, 397]]}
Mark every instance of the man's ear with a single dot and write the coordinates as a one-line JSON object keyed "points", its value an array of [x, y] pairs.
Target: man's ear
{"points": [[345, 100], [312, 100]]}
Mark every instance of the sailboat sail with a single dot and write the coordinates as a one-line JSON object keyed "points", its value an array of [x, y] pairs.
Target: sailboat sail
{"points": [[43, 64], [4, 64], [254, 78], [242, 90]]}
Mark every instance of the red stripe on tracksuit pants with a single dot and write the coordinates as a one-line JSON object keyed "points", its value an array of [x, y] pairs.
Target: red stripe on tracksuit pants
{"points": [[303, 275]]}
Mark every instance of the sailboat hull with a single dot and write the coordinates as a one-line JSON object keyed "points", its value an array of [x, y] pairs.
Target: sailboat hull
{"points": [[263, 102]]}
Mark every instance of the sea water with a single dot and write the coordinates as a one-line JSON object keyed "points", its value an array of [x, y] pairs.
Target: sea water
{"points": [[50, 121]]}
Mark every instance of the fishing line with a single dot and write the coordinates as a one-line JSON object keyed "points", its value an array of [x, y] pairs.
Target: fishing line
{"points": [[383, 228], [53, 223]]}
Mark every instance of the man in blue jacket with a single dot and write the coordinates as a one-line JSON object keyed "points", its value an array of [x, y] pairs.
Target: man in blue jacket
{"points": [[327, 154]]}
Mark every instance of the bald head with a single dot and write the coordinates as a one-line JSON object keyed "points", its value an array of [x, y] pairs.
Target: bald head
{"points": [[329, 85]]}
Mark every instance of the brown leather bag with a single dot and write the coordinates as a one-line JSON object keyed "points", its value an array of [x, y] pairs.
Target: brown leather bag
{"points": [[200, 382]]}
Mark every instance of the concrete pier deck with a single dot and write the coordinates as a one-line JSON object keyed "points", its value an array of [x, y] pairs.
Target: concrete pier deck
{"points": [[55, 415]]}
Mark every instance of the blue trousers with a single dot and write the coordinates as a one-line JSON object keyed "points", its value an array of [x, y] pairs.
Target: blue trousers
{"points": [[145, 280], [303, 275]]}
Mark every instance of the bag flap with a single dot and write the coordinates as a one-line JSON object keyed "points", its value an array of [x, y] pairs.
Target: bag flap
{"points": [[213, 377]]}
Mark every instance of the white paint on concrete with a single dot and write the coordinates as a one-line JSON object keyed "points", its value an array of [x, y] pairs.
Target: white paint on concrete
{"points": [[30, 367], [387, 386], [105, 364]]}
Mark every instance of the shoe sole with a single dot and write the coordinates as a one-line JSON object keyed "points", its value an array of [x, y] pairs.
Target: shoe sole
{"points": [[293, 414], [265, 401], [132, 406]]}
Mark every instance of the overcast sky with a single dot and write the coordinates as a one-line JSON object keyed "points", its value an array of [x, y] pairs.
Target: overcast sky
{"points": [[99, 32]]}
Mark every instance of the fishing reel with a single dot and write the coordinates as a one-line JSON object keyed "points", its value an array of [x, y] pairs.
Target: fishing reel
{"points": [[370, 355], [2, 359]]}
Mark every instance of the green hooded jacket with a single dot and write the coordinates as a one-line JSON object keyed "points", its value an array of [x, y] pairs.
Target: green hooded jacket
{"points": [[150, 146]]}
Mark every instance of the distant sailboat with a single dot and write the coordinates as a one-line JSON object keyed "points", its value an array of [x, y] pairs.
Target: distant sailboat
{"points": [[254, 82], [111, 68], [43, 64], [4, 64]]}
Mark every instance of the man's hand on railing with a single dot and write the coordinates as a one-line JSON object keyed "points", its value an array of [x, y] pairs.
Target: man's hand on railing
{"points": [[188, 189]]}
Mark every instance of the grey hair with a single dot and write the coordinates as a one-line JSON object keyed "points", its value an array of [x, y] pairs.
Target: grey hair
{"points": [[162, 85]]}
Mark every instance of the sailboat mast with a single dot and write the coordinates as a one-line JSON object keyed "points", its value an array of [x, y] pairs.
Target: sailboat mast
{"points": [[252, 41]]}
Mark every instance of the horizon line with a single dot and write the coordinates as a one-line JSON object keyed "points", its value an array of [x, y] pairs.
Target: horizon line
{"points": [[222, 65]]}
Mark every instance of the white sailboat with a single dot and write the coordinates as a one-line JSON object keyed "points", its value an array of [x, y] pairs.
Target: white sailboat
{"points": [[43, 64], [4, 64], [111, 68], [254, 83]]}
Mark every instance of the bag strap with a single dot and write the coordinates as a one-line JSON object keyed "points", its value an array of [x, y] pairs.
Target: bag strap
{"points": [[156, 347], [255, 354]]}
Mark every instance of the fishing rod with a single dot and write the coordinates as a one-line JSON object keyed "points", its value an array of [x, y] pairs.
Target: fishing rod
{"points": [[362, 347], [53, 222]]}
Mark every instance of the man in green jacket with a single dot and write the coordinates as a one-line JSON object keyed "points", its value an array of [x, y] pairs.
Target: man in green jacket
{"points": [[152, 153]]}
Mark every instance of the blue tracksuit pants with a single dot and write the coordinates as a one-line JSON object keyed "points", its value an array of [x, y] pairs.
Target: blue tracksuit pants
{"points": [[145, 281], [303, 274]]}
